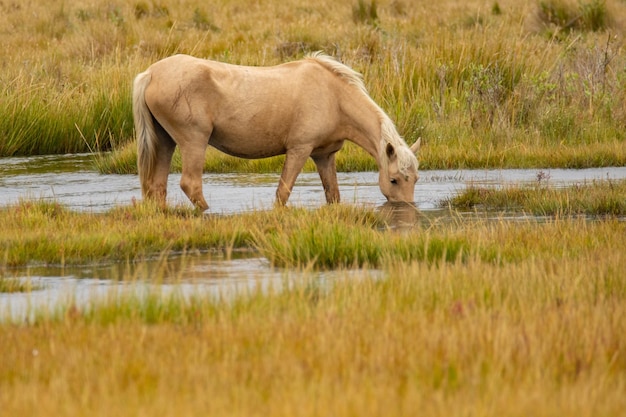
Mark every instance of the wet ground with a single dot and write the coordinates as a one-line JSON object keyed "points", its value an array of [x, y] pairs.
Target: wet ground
{"points": [[72, 181]]}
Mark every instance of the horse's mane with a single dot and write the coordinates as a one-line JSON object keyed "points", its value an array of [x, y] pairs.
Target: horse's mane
{"points": [[406, 157], [351, 76], [389, 133]]}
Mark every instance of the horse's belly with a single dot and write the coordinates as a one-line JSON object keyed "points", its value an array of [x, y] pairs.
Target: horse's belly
{"points": [[247, 148]]}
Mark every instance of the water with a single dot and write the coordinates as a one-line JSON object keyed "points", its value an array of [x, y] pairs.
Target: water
{"points": [[71, 181], [207, 275]]}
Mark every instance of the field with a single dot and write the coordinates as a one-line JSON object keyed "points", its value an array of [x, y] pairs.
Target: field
{"points": [[474, 314], [502, 303], [485, 84], [541, 337]]}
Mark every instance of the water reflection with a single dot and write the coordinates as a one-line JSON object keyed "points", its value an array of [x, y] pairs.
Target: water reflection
{"points": [[206, 275], [400, 216]]}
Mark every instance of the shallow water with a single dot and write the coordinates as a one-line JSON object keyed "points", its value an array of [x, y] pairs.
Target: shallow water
{"points": [[72, 181], [195, 275]]}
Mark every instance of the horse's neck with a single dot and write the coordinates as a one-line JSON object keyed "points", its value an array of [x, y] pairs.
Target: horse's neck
{"points": [[364, 126]]}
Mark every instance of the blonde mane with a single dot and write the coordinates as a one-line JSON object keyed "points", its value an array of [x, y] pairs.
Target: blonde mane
{"points": [[351, 76], [407, 161], [388, 131]]}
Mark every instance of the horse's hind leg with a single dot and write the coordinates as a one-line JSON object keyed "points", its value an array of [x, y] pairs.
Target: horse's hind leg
{"points": [[157, 189], [328, 174], [193, 155]]}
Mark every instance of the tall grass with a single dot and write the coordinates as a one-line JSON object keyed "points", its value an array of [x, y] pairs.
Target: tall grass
{"points": [[470, 80], [535, 337], [48, 233], [330, 237], [39, 117], [478, 316], [124, 161]]}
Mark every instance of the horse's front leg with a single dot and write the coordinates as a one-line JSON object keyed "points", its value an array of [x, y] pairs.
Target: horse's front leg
{"points": [[327, 169], [294, 162]]}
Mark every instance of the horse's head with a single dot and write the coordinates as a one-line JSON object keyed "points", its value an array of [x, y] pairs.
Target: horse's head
{"points": [[398, 174]]}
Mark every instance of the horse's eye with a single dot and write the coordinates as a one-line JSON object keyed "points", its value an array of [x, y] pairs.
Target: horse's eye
{"points": [[394, 181]]}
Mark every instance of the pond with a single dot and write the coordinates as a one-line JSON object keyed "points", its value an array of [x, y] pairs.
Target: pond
{"points": [[72, 181]]}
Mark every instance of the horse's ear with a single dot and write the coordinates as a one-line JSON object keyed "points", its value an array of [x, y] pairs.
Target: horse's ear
{"points": [[391, 152], [416, 146]]}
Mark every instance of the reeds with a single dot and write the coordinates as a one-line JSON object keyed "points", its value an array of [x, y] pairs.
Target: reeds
{"points": [[532, 337], [459, 75]]}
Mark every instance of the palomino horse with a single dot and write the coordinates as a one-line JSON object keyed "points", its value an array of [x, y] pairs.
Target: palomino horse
{"points": [[302, 109]]}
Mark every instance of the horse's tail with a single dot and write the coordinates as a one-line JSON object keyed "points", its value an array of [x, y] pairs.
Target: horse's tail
{"points": [[144, 130]]}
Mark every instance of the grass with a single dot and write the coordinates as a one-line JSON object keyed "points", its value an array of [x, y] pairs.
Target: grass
{"points": [[48, 233], [13, 285], [596, 198], [472, 316], [464, 315], [484, 86], [537, 336], [337, 236], [124, 161], [41, 118]]}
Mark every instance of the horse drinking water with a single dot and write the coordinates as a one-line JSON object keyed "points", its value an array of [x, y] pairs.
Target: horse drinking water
{"points": [[301, 109]]}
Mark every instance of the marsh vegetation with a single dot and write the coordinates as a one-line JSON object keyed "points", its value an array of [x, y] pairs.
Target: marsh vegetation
{"points": [[504, 302], [494, 316], [508, 84], [335, 236]]}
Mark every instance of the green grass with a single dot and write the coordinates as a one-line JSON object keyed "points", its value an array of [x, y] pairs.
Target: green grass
{"points": [[598, 198], [38, 119], [14, 285], [51, 234], [512, 88], [124, 161], [464, 315], [336, 236]]}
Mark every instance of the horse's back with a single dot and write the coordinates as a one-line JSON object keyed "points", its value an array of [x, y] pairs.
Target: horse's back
{"points": [[243, 102], [179, 70], [286, 83]]}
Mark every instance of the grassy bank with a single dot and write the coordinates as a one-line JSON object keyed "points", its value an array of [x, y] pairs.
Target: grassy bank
{"points": [[465, 316], [329, 237], [505, 84], [597, 198], [541, 336]]}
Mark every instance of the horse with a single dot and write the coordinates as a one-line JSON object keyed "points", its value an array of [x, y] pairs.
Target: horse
{"points": [[305, 108]]}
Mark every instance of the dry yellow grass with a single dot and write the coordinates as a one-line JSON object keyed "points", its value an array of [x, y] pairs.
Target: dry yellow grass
{"points": [[483, 85], [533, 338], [528, 322], [535, 329]]}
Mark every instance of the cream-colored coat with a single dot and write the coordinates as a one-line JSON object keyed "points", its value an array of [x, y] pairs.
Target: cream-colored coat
{"points": [[302, 109]]}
